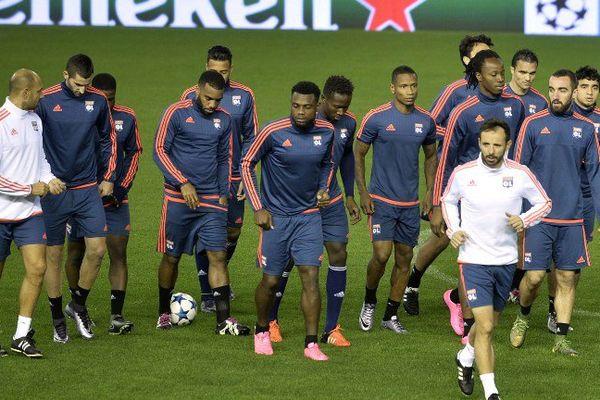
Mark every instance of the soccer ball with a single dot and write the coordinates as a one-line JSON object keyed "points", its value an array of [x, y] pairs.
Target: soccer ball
{"points": [[562, 15], [183, 309]]}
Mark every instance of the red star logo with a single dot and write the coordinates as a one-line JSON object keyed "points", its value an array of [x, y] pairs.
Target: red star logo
{"points": [[394, 13]]}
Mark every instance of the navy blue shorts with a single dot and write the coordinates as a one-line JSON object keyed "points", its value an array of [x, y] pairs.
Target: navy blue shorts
{"points": [[235, 209], [27, 231], [299, 238], [182, 229], [335, 222], [589, 218], [565, 244], [487, 285], [118, 222], [393, 223], [82, 206]]}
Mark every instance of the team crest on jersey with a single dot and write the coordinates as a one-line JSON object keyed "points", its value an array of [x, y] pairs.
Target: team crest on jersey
{"points": [[217, 123], [118, 125], [577, 132], [532, 109], [418, 128], [376, 229], [35, 126], [343, 133], [527, 257], [317, 140], [89, 106], [472, 294], [508, 111], [507, 181], [236, 100]]}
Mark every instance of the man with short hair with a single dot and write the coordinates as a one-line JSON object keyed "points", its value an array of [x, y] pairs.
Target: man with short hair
{"points": [[553, 144], [523, 69], [25, 176], [397, 130], [116, 208], [192, 149], [296, 171], [333, 107], [76, 121], [238, 100]]}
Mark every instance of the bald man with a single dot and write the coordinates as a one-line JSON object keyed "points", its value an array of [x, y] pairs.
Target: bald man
{"points": [[25, 176]]}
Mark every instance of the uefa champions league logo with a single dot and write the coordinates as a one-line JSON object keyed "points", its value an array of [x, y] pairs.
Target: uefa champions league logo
{"points": [[562, 15]]}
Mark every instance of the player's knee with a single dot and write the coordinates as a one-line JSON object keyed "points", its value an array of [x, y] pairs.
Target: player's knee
{"points": [[534, 279], [485, 327], [171, 261], [35, 270], [381, 257], [270, 283], [338, 257]]}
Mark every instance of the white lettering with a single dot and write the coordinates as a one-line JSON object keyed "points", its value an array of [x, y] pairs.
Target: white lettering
{"points": [[321, 10], [184, 10], [293, 15], [17, 19], [237, 14], [71, 13], [40, 13], [127, 11], [99, 13]]}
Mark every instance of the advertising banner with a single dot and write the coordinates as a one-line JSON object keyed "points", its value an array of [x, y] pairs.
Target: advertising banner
{"points": [[561, 17]]}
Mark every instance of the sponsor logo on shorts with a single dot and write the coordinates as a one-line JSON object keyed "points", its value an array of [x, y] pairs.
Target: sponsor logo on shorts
{"points": [[69, 229], [339, 294], [170, 245], [321, 258], [128, 228], [581, 260], [376, 229], [239, 220], [44, 236], [528, 257], [263, 261], [472, 294]]}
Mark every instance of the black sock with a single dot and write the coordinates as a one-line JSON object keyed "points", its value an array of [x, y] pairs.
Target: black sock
{"points": [[260, 329], [551, 305], [164, 299], [525, 310], [414, 281], [230, 248], [562, 329], [80, 296], [221, 295], [56, 307], [370, 295], [72, 291], [454, 296], [391, 309], [117, 298], [517, 277], [310, 339], [468, 323]]}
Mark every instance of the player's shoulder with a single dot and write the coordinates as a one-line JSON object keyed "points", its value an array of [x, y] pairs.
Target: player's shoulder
{"points": [[378, 112], [321, 124], [177, 107], [510, 98], [349, 115], [581, 117], [455, 87], [277, 124], [537, 93], [239, 87], [95, 94], [188, 93], [121, 109], [4, 114], [424, 113], [466, 106], [537, 118], [465, 169], [52, 91], [517, 168]]}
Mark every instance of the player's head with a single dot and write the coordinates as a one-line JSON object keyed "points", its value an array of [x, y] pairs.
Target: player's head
{"points": [[209, 91], [108, 85], [523, 69], [561, 85], [336, 97], [487, 70], [404, 85], [471, 45], [25, 89], [588, 84], [494, 141], [78, 73], [305, 98], [220, 59]]}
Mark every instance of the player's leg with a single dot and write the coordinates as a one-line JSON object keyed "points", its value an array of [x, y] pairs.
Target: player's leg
{"points": [[75, 253], [168, 269], [3, 352], [207, 303], [274, 328], [467, 314], [118, 277], [551, 321], [263, 298], [398, 279], [311, 308]]}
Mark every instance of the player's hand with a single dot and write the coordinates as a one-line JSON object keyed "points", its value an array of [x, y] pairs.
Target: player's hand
{"points": [[353, 210], [224, 201], [515, 222], [56, 186], [105, 188], [366, 203], [437, 222], [323, 198], [458, 239], [426, 205], [188, 191], [240, 195], [39, 189], [264, 219]]}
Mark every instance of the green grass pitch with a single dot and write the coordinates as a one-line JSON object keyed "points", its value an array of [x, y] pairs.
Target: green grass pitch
{"points": [[152, 68]]}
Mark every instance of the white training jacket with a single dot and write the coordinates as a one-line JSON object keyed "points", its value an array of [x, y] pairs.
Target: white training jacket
{"points": [[485, 195], [22, 162]]}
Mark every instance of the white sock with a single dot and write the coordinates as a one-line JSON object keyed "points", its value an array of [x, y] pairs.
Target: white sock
{"points": [[23, 325], [489, 384], [467, 355]]}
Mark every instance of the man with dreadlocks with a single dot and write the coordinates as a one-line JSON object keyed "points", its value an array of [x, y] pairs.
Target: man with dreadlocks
{"points": [[485, 74]]}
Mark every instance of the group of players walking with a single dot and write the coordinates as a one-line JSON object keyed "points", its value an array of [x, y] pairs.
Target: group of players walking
{"points": [[501, 165]]}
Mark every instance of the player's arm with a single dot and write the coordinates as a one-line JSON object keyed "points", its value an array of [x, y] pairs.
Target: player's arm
{"points": [[55, 185], [249, 122], [539, 200], [347, 171], [224, 163], [326, 174], [133, 151], [515, 135], [108, 146], [525, 144], [441, 108], [592, 168], [367, 134], [429, 168], [450, 212]]}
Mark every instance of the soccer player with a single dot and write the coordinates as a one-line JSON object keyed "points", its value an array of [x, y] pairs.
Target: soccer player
{"points": [[553, 144], [482, 209], [296, 171], [192, 149], [486, 73], [335, 101], [76, 121], [25, 175], [450, 97], [397, 130], [116, 208], [238, 100]]}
